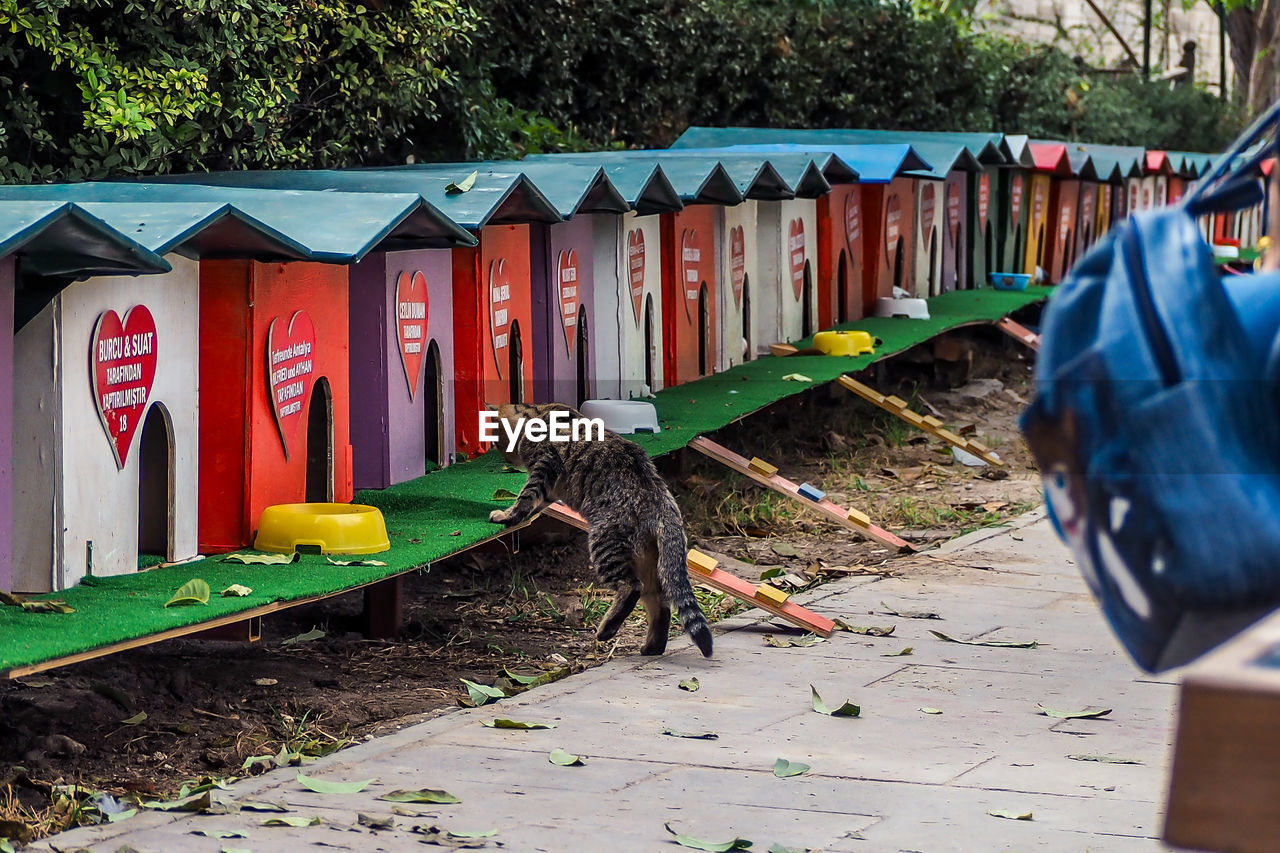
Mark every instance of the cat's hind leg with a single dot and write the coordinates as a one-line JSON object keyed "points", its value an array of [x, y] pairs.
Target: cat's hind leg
{"points": [[623, 603]]}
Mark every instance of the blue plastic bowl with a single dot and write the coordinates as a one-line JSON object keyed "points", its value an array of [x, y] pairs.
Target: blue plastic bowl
{"points": [[1009, 280]]}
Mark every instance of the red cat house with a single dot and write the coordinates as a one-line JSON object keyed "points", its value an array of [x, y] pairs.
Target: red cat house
{"points": [[202, 482], [50, 244], [490, 279], [1155, 180]]}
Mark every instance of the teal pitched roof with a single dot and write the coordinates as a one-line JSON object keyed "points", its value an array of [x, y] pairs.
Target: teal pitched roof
{"points": [[257, 223], [571, 188], [984, 148], [697, 180], [497, 198], [1113, 163], [57, 238], [1190, 164], [868, 164]]}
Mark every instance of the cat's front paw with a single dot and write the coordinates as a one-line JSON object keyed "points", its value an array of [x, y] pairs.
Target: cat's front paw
{"points": [[500, 516]]}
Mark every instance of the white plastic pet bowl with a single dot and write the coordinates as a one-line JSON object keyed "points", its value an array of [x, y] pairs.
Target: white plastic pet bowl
{"points": [[913, 307], [623, 416]]}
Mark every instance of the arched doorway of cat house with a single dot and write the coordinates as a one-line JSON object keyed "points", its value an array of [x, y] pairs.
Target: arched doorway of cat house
{"points": [[899, 259], [433, 408], [988, 254], [583, 359], [515, 364], [704, 330], [842, 289], [155, 487], [746, 318], [319, 475], [649, 352], [806, 302], [933, 262]]}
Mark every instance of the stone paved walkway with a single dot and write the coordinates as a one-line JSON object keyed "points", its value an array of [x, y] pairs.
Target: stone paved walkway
{"points": [[893, 779]]}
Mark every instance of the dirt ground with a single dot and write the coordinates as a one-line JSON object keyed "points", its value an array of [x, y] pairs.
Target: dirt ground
{"points": [[147, 721]]}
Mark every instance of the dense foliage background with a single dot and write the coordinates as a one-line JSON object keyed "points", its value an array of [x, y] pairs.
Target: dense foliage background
{"points": [[97, 87]]}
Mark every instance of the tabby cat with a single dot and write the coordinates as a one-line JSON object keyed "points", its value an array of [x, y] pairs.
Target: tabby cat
{"points": [[636, 541]]}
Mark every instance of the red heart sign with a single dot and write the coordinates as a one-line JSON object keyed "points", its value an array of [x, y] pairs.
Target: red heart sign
{"points": [[737, 262], [1015, 202], [795, 254], [852, 223], [411, 324], [984, 198], [567, 276], [926, 210], [892, 227], [499, 312], [290, 368], [635, 270], [122, 356], [1064, 225], [690, 271]]}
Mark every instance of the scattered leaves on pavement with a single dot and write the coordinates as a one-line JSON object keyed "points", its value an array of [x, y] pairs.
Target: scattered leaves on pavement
{"points": [[560, 758], [1010, 815], [848, 709], [691, 735], [783, 769], [930, 710], [690, 684], [220, 833], [289, 820], [1082, 714], [695, 843], [869, 631], [501, 723], [906, 651], [1104, 759], [375, 822], [910, 614], [421, 795], [787, 642], [998, 644], [482, 694], [324, 786]]}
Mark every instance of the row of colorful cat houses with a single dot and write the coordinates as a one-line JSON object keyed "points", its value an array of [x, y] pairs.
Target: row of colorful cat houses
{"points": [[271, 325], [416, 295], [217, 383]]}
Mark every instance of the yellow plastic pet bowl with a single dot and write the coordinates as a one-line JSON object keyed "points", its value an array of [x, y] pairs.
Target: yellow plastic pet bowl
{"points": [[333, 528], [844, 343]]}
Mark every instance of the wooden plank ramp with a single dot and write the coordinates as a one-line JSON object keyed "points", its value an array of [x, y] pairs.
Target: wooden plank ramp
{"points": [[898, 407], [703, 569], [766, 475], [1019, 333]]}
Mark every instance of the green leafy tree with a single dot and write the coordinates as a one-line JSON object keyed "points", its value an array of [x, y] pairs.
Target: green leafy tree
{"points": [[90, 88]]}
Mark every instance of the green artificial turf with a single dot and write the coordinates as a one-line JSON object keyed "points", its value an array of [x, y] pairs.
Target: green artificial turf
{"points": [[447, 510]]}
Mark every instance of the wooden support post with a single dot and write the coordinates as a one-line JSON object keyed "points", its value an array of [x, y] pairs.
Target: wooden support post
{"points": [[384, 608], [703, 569], [931, 425], [1020, 333], [851, 519], [245, 631]]}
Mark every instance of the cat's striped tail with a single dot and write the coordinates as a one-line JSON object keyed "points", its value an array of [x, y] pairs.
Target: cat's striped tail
{"points": [[673, 574]]}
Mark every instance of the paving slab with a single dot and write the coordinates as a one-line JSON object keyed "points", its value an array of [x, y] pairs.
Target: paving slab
{"points": [[893, 778]]}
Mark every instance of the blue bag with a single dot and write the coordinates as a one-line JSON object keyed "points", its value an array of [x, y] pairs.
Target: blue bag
{"points": [[1156, 423]]}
